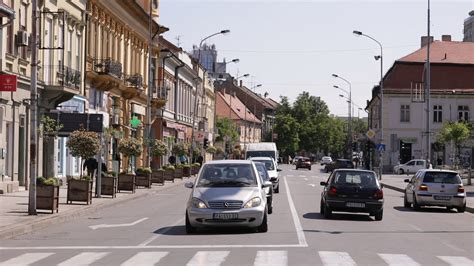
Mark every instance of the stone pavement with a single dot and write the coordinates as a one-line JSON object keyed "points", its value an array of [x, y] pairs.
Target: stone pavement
{"points": [[396, 182], [14, 218]]}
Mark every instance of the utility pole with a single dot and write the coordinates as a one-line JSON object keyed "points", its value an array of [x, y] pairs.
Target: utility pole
{"points": [[150, 85], [427, 92], [34, 113]]}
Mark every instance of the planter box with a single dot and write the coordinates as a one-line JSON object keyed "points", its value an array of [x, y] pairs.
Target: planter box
{"points": [[126, 182], [178, 173], [47, 198], [187, 171], [108, 186], [168, 175], [158, 177], [195, 170], [143, 180], [79, 190]]}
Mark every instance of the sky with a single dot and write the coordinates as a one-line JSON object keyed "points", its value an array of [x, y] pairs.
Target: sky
{"points": [[291, 46]]}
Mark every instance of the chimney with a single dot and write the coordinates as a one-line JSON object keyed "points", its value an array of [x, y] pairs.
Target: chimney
{"points": [[240, 83], [424, 40], [446, 38]]}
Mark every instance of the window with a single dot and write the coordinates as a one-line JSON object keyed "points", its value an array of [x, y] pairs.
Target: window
{"points": [[405, 113], [438, 114], [96, 98], [23, 16], [420, 162], [463, 112]]}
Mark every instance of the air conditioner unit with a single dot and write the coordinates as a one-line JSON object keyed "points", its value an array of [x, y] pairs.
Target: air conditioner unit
{"points": [[22, 38]]}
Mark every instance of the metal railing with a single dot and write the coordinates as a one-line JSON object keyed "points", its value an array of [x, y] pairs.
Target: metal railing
{"points": [[135, 80], [108, 66], [60, 75]]}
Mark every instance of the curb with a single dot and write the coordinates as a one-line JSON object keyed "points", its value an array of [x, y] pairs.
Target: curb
{"points": [[43, 222], [468, 209]]}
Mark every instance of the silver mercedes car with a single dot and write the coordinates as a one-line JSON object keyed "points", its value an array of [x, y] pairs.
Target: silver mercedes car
{"points": [[227, 193]]}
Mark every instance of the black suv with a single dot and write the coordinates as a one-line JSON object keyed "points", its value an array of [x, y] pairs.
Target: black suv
{"points": [[352, 191], [339, 164]]}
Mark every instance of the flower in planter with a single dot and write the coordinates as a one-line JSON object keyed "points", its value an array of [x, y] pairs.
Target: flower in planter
{"points": [[180, 149], [158, 147], [50, 181], [84, 144], [130, 147]]}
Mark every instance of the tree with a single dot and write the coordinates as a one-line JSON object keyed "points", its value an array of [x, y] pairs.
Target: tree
{"points": [[458, 133], [84, 144], [130, 147], [288, 139], [226, 128]]}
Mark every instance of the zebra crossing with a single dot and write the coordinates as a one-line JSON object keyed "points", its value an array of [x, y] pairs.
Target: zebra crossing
{"points": [[216, 258]]}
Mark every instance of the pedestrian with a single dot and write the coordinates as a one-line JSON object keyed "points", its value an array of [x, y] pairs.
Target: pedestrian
{"points": [[91, 164], [172, 160], [200, 159], [183, 159]]}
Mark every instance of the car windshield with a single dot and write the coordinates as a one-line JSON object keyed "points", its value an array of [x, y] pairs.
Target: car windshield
{"points": [[251, 154], [442, 177], [227, 175], [268, 164], [262, 171], [361, 179]]}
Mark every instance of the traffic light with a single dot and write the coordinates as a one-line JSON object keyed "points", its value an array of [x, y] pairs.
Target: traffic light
{"points": [[206, 143]]}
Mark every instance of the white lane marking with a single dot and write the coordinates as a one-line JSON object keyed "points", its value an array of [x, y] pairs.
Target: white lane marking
{"points": [[94, 227], [271, 257], [301, 175], [290, 175], [454, 247], [296, 219], [313, 185], [458, 261], [154, 247], [160, 233], [398, 260], [336, 258], [208, 258], [84, 258], [26, 259], [305, 179], [415, 227], [145, 258]]}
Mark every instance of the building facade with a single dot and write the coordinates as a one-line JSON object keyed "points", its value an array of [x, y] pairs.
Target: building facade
{"points": [[469, 28], [404, 103]]}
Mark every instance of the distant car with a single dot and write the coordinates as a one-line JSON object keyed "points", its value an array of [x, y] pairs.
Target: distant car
{"points": [[410, 167], [262, 170], [325, 160], [227, 193], [295, 160], [430, 187], [351, 190], [339, 164], [303, 162], [273, 171]]}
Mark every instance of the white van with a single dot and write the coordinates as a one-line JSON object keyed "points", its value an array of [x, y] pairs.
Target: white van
{"points": [[262, 149]]}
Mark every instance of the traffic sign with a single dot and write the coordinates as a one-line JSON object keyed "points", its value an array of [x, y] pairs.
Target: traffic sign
{"points": [[381, 147], [370, 134]]}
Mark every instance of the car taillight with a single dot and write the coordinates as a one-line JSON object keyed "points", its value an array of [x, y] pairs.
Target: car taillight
{"points": [[461, 189], [423, 187], [378, 194], [332, 191]]}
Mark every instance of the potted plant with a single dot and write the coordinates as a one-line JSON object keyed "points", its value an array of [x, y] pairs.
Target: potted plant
{"points": [[196, 167], [236, 152], [143, 177], [178, 172], [158, 148], [109, 184], [47, 193], [129, 147], [84, 144], [187, 170], [168, 175], [157, 176], [180, 149], [211, 150]]}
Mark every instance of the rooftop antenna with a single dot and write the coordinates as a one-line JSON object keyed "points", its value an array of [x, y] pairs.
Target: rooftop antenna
{"points": [[178, 40]]}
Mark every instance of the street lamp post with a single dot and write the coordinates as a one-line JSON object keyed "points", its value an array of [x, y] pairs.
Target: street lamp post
{"points": [[254, 110], [359, 33], [202, 88], [350, 112]]}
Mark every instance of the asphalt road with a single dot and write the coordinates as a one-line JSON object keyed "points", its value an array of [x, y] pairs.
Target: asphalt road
{"points": [[150, 231]]}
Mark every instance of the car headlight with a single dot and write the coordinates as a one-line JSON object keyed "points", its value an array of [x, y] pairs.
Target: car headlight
{"points": [[255, 202], [199, 204]]}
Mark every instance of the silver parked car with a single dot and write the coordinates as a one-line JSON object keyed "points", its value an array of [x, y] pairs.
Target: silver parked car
{"points": [[430, 187], [227, 193]]}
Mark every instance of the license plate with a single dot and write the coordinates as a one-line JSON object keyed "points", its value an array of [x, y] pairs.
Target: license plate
{"points": [[225, 216], [355, 205], [442, 197]]}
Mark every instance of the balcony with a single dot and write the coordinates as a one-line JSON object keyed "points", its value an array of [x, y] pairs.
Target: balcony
{"points": [[133, 86], [159, 97], [61, 83], [105, 74]]}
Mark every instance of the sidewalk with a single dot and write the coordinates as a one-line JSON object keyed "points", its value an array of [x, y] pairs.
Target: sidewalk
{"points": [[396, 182], [14, 218]]}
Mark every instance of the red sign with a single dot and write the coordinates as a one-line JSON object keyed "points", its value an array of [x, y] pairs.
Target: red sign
{"points": [[7, 82]]}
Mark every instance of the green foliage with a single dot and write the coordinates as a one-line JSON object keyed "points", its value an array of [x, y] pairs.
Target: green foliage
{"points": [[288, 138], [219, 150], [180, 149], [196, 164], [179, 166], [84, 144], [196, 152], [227, 129], [211, 149], [186, 166], [457, 132], [50, 181], [130, 147], [169, 167], [158, 147], [111, 173], [49, 127], [144, 170], [236, 152]]}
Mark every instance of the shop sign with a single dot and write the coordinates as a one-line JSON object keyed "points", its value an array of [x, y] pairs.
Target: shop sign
{"points": [[7, 82]]}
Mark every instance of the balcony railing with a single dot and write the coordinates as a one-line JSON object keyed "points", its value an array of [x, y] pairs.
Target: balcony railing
{"points": [[60, 75], [108, 67], [135, 80]]}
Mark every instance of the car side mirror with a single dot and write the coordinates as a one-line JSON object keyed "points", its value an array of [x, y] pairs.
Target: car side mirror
{"points": [[279, 170], [189, 184], [266, 184], [322, 183], [406, 180]]}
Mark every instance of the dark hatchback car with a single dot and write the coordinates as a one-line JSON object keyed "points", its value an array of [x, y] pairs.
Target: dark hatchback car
{"points": [[262, 171], [352, 191], [303, 162], [339, 164]]}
